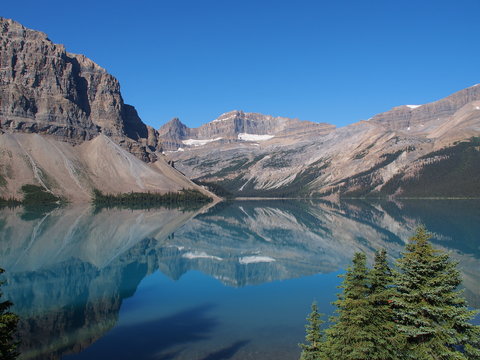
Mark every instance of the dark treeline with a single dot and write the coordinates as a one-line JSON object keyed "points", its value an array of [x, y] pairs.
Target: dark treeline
{"points": [[9, 202], [414, 311], [32, 195], [185, 198], [457, 166], [215, 188]]}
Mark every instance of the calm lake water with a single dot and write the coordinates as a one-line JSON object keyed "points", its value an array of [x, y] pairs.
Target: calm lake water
{"points": [[231, 282]]}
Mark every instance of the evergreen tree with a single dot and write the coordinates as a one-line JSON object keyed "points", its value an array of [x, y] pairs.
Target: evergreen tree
{"points": [[314, 349], [387, 341], [431, 312], [8, 326], [350, 337]]}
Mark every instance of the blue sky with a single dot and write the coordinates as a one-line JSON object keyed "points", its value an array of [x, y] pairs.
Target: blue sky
{"points": [[325, 61]]}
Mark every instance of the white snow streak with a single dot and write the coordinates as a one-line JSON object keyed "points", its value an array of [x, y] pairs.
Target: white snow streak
{"points": [[200, 255], [253, 137], [255, 259], [196, 142], [223, 117]]}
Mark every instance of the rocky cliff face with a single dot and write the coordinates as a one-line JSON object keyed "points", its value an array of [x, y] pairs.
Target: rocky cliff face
{"points": [[403, 151], [425, 118], [64, 125], [238, 126], [172, 134], [46, 90]]}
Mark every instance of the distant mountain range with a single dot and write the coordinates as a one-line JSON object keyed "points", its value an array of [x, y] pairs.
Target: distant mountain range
{"points": [[64, 126], [429, 150], [237, 125]]}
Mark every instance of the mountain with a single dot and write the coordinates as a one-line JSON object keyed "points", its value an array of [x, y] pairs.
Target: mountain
{"points": [[64, 125], [45, 89], [72, 172], [237, 127], [411, 150]]}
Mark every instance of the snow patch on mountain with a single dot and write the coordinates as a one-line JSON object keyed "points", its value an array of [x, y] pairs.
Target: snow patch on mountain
{"points": [[253, 137], [224, 117], [195, 142]]}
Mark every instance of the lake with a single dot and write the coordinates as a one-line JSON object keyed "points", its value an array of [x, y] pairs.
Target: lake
{"points": [[233, 281]]}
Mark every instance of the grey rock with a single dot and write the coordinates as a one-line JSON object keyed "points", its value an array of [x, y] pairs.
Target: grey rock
{"points": [[356, 160], [421, 116], [228, 126], [46, 90]]}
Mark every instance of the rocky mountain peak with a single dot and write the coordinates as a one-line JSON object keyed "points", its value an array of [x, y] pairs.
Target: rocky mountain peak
{"points": [[238, 125], [230, 115], [172, 133], [15, 29], [46, 90], [423, 117]]}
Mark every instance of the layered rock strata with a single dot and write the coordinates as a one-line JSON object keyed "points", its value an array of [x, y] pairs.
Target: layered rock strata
{"points": [[46, 90]]}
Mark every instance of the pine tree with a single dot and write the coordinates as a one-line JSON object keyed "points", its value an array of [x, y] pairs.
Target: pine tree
{"points": [[8, 326], [314, 349], [432, 314], [350, 337], [387, 341]]}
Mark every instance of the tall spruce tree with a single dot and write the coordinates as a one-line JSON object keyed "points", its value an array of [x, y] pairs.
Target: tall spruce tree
{"points": [[350, 336], [314, 349], [8, 327], [431, 312], [387, 341]]}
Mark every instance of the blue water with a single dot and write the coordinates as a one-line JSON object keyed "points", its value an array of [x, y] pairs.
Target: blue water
{"points": [[231, 282]]}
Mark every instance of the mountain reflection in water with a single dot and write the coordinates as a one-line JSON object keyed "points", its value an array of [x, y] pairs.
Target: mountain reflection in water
{"points": [[69, 270]]}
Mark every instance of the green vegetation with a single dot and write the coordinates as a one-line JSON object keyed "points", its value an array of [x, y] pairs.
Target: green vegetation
{"points": [[414, 312], [315, 338], [36, 201], [452, 172], [431, 314], [348, 338], [235, 165], [37, 195], [278, 160], [185, 198], [10, 202], [3, 181], [366, 181], [215, 188], [297, 188], [363, 153], [8, 328]]}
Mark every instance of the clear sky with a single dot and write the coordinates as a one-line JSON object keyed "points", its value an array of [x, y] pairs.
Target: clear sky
{"points": [[326, 61]]}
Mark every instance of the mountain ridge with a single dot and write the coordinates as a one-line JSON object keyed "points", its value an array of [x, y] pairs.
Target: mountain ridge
{"points": [[394, 147], [236, 125]]}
